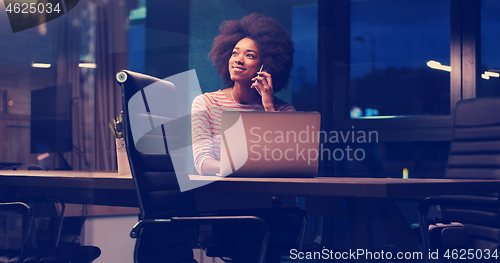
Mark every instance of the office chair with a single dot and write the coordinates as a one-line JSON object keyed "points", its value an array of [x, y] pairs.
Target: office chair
{"points": [[168, 218], [15, 247], [467, 221], [41, 228]]}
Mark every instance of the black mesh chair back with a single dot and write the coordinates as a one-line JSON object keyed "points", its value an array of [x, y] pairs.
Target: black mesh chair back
{"points": [[144, 98], [475, 154], [40, 232], [475, 145], [14, 239], [468, 221]]}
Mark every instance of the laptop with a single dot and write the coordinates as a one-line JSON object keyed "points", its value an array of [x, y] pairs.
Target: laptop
{"points": [[270, 144]]}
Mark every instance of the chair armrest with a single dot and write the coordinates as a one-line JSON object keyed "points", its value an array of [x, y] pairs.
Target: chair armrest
{"points": [[19, 207], [263, 211], [137, 229], [423, 209], [61, 213], [24, 210], [27, 214], [428, 202]]}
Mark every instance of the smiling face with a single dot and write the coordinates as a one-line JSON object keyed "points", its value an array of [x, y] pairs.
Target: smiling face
{"points": [[245, 61]]}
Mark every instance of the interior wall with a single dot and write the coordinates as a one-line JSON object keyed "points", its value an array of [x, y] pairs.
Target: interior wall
{"points": [[111, 235]]}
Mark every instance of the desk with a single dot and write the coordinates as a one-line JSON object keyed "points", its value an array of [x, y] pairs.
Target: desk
{"points": [[119, 190], [321, 186], [349, 187], [98, 188], [107, 188], [364, 195]]}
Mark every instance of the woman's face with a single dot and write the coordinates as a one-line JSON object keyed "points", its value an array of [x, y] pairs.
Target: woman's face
{"points": [[245, 61]]}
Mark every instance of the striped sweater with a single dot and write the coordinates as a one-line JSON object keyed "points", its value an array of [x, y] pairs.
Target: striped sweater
{"points": [[206, 114]]}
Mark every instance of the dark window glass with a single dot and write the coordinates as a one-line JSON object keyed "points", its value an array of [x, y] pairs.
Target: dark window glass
{"points": [[488, 81], [304, 77], [400, 57]]}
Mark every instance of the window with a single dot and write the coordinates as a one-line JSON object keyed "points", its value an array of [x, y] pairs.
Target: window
{"points": [[400, 58], [304, 80], [488, 78]]}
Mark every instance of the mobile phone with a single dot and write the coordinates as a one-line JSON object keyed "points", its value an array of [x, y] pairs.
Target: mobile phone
{"points": [[260, 70]]}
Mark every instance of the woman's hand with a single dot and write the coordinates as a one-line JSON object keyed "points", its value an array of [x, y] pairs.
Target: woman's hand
{"points": [[264, 85], [210, 167]]}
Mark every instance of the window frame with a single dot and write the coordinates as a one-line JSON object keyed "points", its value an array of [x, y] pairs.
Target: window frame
{"points": [[333, 78]]}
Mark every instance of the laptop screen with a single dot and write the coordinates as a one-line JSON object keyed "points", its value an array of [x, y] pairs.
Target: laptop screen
{"points": [[270, 144]]}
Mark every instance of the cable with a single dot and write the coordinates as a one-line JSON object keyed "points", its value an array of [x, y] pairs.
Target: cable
{"points": [[82, 154]]}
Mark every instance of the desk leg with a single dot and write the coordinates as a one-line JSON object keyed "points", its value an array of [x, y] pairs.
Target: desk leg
{"points": [[360, 224], [361, 211], [398, 228]]}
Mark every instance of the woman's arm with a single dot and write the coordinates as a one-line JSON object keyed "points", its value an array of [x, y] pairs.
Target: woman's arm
{"points": [[203, 146]]}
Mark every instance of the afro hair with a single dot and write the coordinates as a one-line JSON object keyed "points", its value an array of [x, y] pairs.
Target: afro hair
{"points": [[274, 44]]}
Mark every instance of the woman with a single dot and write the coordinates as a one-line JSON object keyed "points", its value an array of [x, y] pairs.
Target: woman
{"points": [[254, 57]]}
